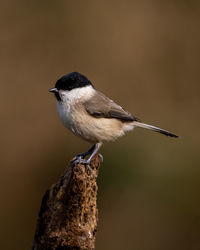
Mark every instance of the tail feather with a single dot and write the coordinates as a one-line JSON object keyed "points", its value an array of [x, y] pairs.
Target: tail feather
{"points": [[160, 130]]}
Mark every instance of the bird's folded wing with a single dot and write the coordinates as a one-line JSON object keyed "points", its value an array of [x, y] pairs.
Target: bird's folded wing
{"points": [[101, 106]]}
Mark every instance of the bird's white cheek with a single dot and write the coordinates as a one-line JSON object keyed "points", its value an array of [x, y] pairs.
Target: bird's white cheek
{"points": [[77, 93]]}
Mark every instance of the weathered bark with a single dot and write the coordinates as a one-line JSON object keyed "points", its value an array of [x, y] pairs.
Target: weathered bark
{"points": [[68, 214]]}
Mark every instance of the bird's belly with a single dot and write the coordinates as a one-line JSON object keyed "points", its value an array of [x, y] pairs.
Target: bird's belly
{"points": [[98, 129]]}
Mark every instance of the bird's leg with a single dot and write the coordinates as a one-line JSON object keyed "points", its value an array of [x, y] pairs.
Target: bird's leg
{"points": [[95, 149], [83, 155]]}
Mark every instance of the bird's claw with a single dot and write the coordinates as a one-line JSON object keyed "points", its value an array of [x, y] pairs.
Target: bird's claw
{"points": [[101, 157], [84, 162]]}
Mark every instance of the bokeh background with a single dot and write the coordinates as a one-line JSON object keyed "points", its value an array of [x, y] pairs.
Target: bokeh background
{"points": [[143, 54]]}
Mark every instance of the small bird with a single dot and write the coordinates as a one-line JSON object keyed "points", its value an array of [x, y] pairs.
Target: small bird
{"points": [[91, 115]]}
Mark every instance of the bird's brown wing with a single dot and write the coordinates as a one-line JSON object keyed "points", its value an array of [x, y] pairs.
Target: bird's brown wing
{"points": [[101, 106]]}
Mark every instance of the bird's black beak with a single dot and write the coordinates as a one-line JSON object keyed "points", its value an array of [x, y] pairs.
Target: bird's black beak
{"points": [[53, 90]]}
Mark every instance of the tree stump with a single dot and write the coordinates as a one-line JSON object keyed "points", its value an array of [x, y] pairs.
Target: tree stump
{"points": [[68, 215]]}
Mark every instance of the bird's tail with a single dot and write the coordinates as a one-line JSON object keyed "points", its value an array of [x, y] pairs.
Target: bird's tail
{"points": [[160, 130]]}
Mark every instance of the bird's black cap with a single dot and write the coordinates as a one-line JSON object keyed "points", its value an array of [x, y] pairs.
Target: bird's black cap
{"points": [[71, 81]]}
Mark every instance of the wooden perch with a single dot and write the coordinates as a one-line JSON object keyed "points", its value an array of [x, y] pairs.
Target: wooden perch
{"points": [[68, 214]]}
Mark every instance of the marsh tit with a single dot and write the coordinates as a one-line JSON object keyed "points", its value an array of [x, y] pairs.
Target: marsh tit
{"points": [[91, 115]]}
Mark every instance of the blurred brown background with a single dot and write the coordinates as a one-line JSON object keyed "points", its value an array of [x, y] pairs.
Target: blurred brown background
{"points": [[143, 54]]}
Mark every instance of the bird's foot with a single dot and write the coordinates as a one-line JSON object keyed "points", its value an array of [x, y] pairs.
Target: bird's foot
{"points": [[79, 159], [84, 162], [83, 155]]}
